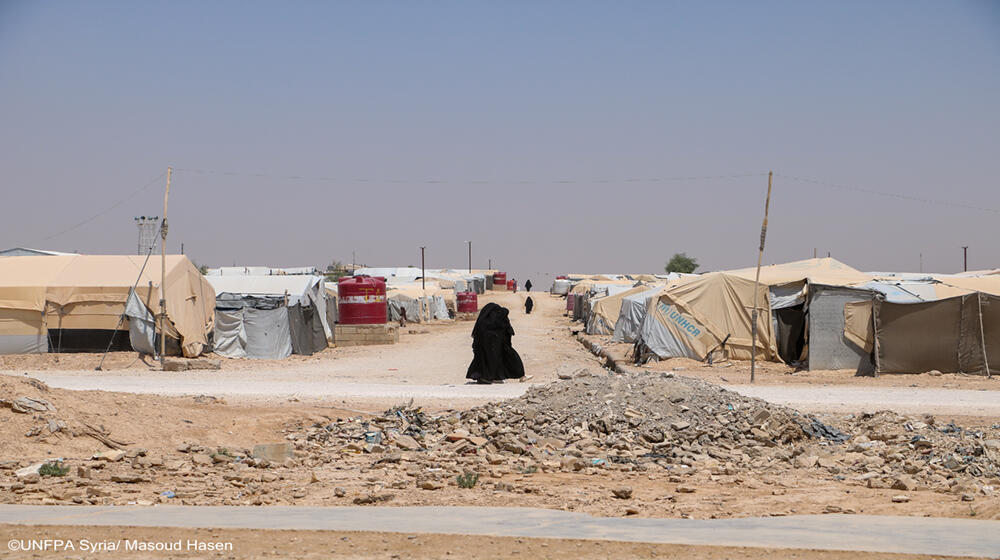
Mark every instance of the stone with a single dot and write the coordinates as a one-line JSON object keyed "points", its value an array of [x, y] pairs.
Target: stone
{"points": [[127, 478], [631, 511], [968, 498], [622, 492], [30, 478], [26, 405], [826, 463], [680, 425], [904, 483], [111, 456], [573, 463], [339, 492], [406, 443], [683, 489], [29, 470], [952, 463], [429, 484], [313, 479], [83, 472], [806, 461], [201, 459], [274, 452], [900, 499]]}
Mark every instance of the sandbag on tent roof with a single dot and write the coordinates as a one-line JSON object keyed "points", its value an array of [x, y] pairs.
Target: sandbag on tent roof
{"points": [[89, 292], [692, 317]]}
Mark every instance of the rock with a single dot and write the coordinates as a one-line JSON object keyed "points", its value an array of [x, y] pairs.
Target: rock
{"points": [[457, 435], [29, 470], [26, 405], [900, 499], [134, 452], [826, 463], [83, 472], [274, 452], [429, 484], [111, 456], [564, 375], [339, 492], [127, 478], [406, 443], [573, 463], [622, 492], [95, 492], [631, 511], [683, 489], [201, 459], [968, 498], [904, 483], [313, 479], [680, 425], [952, 463], [805, 461], [30, 478]]}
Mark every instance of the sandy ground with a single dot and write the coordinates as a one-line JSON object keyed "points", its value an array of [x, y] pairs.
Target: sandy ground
{"points": [[432, 355], [355, 545]]}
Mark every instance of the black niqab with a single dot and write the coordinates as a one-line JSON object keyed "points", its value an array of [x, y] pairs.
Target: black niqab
{"points": [[494, 359]]}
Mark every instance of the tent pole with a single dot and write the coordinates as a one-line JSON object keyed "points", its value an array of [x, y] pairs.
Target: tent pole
{"points": [[756, 285], [982, 335], [163, 271]]}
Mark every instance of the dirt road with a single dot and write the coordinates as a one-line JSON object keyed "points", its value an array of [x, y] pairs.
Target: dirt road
{"points": [[863, 533]]}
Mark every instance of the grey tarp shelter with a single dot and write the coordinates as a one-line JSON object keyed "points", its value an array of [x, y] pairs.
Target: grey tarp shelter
{"points": [[633, 311], [252, 327]]}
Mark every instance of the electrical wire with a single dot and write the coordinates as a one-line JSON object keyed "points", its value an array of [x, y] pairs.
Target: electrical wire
{"points": [[467, 182], [130, 196], [889, 194]]}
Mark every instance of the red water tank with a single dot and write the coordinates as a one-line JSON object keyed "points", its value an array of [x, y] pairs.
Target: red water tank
{"points": [[468, 302], [511, 286], [361, 300], [500, 281]]}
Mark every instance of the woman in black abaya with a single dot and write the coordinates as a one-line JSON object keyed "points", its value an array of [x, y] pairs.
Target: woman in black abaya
{"points": [[494, 359]]}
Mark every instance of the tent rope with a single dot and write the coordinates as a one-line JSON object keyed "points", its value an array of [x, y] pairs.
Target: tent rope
{"points": [[121, 318]]}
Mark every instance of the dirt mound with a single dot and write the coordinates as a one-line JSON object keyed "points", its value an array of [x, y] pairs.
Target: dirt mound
{"points": [[38, 422]]}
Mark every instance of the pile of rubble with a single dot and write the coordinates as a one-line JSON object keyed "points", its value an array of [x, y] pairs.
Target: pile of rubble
{"points": [[638, 421]]}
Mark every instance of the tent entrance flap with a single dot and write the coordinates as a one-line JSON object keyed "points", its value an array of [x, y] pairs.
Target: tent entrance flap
{"points": [[790, 333]]}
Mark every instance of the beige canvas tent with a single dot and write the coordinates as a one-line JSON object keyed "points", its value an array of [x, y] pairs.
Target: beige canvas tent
{"points": [[604, 311], [693, 316], [88, 293]]}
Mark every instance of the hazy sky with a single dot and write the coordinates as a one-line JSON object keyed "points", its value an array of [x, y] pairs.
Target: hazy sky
{"points": [[542, 131]]}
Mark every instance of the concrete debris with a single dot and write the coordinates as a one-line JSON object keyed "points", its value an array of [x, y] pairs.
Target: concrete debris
{"points": [[27, 405]]}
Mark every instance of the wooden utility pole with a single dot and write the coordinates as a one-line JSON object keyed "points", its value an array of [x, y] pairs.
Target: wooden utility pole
{"points": [[756, 285], [163, 272], [470, 256], [965, 258], [423, 274]]}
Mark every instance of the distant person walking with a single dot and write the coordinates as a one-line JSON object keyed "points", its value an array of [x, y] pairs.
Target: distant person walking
{"points": [[528, 305], [527, 285], [494, 359], [514, 281]]}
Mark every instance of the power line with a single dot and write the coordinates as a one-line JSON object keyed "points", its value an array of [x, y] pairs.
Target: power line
{"points": [[467, 182], [130, 196], [889, 195]]}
